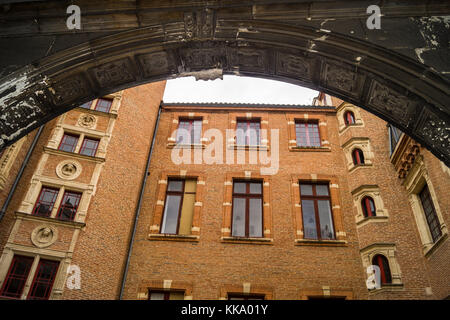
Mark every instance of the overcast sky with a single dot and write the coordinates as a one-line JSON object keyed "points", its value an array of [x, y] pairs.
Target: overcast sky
{"points": [[237, 90]]}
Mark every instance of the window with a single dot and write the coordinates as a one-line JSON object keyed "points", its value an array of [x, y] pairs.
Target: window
{"points": [[385, 272], [430, 213], [86, 105], [17, 276], [358, 157], [307, 134], [45, 202], [68, 143], [349, 118], [189, 131], [43, 280], [69, 206], [165, 295], [394, 137], [103, 105], [248, 132], [316, 211], [89, 147], [237, 296], [247, 206], [179, 207], [368, 207]]}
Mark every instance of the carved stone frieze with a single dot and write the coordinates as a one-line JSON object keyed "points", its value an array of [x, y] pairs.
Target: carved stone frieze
{"points": [[44, 236], [68, 169], [114, 73]]}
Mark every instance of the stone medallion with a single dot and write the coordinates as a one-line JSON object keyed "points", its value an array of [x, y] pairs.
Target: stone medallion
{"points": [[44, 236], [87, 121], [68, 169]]}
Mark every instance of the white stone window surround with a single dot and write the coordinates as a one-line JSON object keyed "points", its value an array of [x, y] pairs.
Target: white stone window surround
{"points": [[340, 112], [358, 143], [373, 191]]}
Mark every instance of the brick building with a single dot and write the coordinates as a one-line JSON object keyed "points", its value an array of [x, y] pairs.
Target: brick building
{"points": [[241, 201]]}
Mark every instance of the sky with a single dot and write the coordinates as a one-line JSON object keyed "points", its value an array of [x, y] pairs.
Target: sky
{"points": [[235, 89]]}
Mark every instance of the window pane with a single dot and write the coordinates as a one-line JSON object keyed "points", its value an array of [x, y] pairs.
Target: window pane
{"points": [[255, 188], [255, 218], [86, 105], [430, 213], [197, 131], [241, 130], [239, 187], [89, 147], [17, 276], [156, 296], [69, 206], [321, 189], [171, 211], [45, 202], [68, 143], [326, 222], [176, 296], [103, 105], [306, 189], [183, 133], [43, 282], [175, 185], [238, 226], [309, 219]]}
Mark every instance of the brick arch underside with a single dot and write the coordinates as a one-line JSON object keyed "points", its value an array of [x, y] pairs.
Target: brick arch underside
{"points": [[397, 89]]}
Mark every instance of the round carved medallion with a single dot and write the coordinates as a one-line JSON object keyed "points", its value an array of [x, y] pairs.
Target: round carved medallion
{"points": [[44, 236], [87, 121], [68, 169]]}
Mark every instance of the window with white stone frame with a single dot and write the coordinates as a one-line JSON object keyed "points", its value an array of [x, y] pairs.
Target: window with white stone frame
{"points": [[358, 153], [369, 205], [348, 116]]}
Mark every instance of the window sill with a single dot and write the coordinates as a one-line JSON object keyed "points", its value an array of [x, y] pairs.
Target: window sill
{"points": [[429, 252], [367, 220], [251, 147], [348, 126], [111, 113], [172, 145], [73, 154], [173, 237], [310, 242], [264, 241], [28, 216], [387, 288], [354, 167], [310, 149]]}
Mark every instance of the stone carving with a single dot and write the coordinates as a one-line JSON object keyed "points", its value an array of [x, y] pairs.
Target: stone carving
{"points": [[204, 58], [69, 89], [44, 236], [294, 66], [114, 73], [250, 59], [68, 169], [87, 121], [199, 24], [154, 63], [340, 78], [389, 102]]}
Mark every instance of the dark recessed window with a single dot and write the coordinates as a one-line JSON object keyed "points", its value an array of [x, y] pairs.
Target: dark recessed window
{"points": [[103, 105], [307, 134], [248, 132], [189, 131], [316, 211], [358, 157], [16, 277], [179, 207], [69, 206], [45, 202], [385, 272], [247, 209], [349, 118], [368, 207], [86, 105], [165, 295], [430, 213], [43, 280], [89, 147], [68, 142], [238, 296]]}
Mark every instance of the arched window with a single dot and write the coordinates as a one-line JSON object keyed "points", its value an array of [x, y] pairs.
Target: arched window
{"points": [[358, 157], [349, 118], [368, 206], [385, 272]]}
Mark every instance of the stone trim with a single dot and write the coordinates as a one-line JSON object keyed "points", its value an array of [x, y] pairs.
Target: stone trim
{"points": [[7, 159], [228, 210], [414, 182], [358, 143], [158, 211], [341, 110], [246, 288], [372, 191], [164, 285], [321, 120], [336, 210]]}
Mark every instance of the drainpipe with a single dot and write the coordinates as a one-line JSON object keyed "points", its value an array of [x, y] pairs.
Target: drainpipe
{"points": [[20, 173], [138, 208]]}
